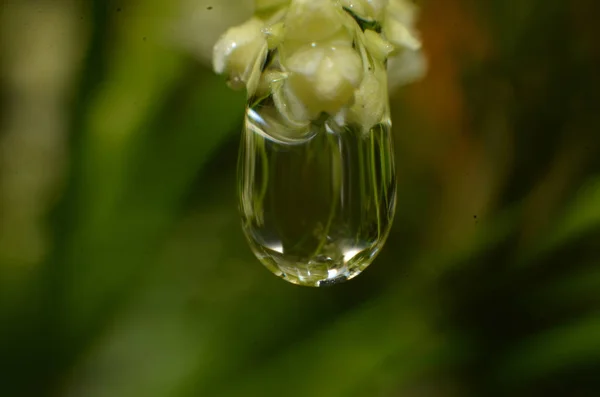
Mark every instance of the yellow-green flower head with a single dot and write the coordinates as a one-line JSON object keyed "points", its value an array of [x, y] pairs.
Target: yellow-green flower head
{"points": [[324, 78], [324, 59]]}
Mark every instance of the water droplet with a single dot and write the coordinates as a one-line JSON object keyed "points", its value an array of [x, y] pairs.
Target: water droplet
{"points": [[316, 171], [316, 204]]}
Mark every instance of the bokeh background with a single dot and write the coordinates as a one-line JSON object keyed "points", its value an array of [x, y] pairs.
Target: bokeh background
{"points": [[124, 271]]}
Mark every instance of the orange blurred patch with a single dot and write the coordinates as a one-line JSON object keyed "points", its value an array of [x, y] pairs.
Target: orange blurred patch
{"points": [[453, 38], [450, 35]]}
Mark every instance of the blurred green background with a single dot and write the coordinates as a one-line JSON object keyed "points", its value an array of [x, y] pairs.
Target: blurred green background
{"points": [[124, 271]]}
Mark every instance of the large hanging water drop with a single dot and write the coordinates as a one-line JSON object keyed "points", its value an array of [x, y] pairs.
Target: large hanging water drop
{"points": [[316, 210], [316, 167], [316, 171]]}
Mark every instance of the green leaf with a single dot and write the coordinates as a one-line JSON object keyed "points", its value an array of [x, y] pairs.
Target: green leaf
{"points": [[581, 216], [553, 351]]}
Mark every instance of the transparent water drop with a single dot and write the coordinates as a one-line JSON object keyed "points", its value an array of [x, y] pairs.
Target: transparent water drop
{"points": [[317, 209], [316, 177]]}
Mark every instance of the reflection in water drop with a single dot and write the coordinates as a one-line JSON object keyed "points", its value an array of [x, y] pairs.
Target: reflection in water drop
{"points": [[316, 203]]}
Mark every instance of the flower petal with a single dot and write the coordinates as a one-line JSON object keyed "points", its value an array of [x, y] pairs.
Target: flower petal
{"points": [[370, 100], [239, 50], [312, 20], [325, 78], [406, 67], [379, 48], [398, 26]]}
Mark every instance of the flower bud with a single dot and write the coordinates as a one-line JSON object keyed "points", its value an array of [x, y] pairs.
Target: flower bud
{"points": [[370, 100], [309, 21], [324, 78], [379, 48], [239, 50], [398, 25]]}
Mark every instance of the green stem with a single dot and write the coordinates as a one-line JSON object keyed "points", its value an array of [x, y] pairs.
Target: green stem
{"points": [[374, 183], [335, 163]]}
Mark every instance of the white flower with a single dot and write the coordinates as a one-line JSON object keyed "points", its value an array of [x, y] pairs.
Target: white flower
{"points": [[370, 100], [379, 48], [238, 52], [322, 61], [398, 25], [274, 34], [309, 21], [406, 67], [289, 106], [324, 78]]}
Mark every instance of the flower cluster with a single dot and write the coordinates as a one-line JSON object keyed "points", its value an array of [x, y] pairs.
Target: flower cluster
{"points": [[318, 56]]}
